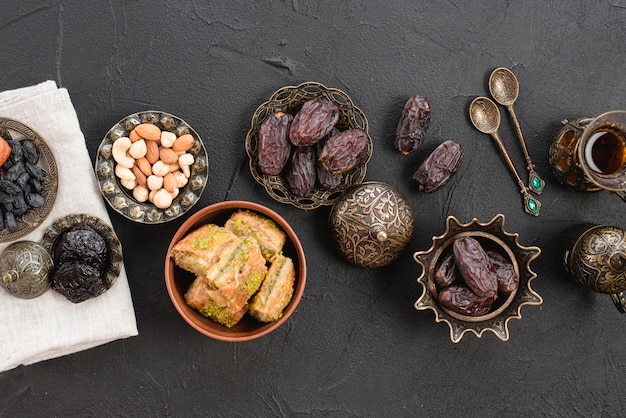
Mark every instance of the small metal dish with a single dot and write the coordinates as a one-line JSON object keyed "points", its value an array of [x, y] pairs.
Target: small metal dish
{"points": [[491, 235], [116, 258], [121, 200], [30, 220], [289, 100]]}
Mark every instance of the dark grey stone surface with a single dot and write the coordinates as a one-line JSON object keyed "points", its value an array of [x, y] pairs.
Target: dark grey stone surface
{"points": [[355, 346]]}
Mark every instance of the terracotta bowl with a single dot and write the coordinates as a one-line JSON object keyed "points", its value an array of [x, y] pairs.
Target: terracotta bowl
{"points": [[491, 236], [178, 280]]}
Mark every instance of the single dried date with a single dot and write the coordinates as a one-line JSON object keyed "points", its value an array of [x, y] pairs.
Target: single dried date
{"points": [[508, 280], [343, 151], [301, 174], [413, 124], [439, 167], [475, 267], [314, 121], [447, 273], [274, 145], [462, 300], [324, 178]]}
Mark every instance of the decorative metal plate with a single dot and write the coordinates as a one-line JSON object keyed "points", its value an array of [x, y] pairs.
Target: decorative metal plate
{"points": [[116, 258], [121, 199], [30, 220], [290, 99], [492, 236]]}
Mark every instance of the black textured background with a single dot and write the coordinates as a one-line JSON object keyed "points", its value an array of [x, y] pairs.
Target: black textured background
{"points": [[355, 346]]}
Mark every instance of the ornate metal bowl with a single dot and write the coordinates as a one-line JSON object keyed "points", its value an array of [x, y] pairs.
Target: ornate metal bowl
{"points": [[30, 220], [121, 199], [290, 99], [116, 258], [491, 235]]}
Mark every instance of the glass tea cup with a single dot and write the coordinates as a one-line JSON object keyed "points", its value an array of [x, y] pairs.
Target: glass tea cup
{"points": [[589, 154]]}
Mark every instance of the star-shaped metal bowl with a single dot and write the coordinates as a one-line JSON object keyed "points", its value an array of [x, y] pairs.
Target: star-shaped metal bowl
{"points": [[491, 236]]}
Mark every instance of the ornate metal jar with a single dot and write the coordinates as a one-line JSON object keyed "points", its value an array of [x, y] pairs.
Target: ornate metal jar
{"points": [[25, 269], [371, 224], [595, 256]]}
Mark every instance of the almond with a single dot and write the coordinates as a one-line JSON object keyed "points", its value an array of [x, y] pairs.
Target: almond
{"points": [[144, 165], [167, 155], [152, 151], [148, 131], [139, 176], [183, 143], [169, 182], [134, 136]]}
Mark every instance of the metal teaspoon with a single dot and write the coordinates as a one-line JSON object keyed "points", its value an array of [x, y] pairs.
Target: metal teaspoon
{"points": [[485, 116], [504, 88]]}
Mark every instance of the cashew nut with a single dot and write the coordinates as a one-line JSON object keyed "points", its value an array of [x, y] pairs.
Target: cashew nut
{"points": [[128, 184], [138, 149], [124, 173], [185, 162], [118, 150]]}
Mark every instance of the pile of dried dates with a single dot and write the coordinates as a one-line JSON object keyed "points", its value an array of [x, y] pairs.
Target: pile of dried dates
{"points": [[470, 279], [308, 148], [439, 167], [20, 180]]}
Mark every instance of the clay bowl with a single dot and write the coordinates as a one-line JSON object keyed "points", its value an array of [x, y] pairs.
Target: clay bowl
{"points": [[491, 236], [178, 280]]}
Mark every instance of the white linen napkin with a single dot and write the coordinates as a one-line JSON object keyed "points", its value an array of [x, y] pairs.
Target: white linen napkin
{"points": [[50, 326]]}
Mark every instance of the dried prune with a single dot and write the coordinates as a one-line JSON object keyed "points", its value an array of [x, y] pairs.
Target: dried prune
{"points": [[9, 221], [314, 121], [301, 174], [30, 151], [447, 273], [508, 280], [439, 167], [343, 151], [77, 281], [462, 300], [274, 145], [413, 124], [80, 257], [475, 267]]}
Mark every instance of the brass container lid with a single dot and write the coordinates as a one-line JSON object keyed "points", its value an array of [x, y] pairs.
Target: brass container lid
{"points": [[371, 224]]}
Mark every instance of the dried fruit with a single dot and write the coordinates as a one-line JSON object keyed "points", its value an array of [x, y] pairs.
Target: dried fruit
{"points": [[462, 300], [20, 182], [274, 145], [81, 256], [439, 167], [343, 151], [508, 280], [413, 124], [475, 267], [324, 178], [314, 121], [301, 174], [447, 273], [5, 151]]}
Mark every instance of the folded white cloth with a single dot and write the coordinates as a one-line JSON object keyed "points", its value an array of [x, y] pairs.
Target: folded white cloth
{"points": [[50, 326]]}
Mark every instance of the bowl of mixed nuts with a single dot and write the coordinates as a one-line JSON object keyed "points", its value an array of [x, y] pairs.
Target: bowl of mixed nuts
{"points": [[151, 167], [476, 277], [308, 144]]}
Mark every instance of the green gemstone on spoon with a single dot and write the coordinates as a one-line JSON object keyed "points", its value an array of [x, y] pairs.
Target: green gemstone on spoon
{"points": [[536, 183]]}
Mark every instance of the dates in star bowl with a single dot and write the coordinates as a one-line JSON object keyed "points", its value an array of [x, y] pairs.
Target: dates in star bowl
{"points": [[319, 113]]}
